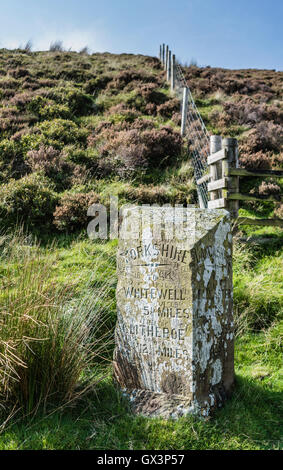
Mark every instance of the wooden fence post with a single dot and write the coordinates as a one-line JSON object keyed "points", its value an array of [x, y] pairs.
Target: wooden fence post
{"points": [[215, 170], [173, 72], [169, 67], [231, 147], [166, 58], [184, 110], [163, 54]]}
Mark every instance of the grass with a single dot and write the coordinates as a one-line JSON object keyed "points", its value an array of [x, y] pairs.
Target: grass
{"points": [[53, 334], [250, 420], [102, 420], [258, 270]]}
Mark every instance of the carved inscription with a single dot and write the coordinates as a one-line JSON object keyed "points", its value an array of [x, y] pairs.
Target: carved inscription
{"points": [[159, 322]]}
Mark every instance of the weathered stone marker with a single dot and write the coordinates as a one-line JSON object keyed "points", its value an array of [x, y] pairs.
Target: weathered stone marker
{"points": [[174, 350]]}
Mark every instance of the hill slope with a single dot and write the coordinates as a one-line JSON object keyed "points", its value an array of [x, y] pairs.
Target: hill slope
{"points": [[88, 125], [97, 124]]}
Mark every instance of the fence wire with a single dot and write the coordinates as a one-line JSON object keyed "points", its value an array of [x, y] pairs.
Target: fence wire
{"points": [[196, 133]]}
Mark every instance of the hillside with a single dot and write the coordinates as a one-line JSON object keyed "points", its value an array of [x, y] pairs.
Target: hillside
{"points": [[86, 125], [94, 125], [75, 129]]}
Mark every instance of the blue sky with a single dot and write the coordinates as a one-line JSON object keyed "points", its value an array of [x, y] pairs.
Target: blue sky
{"points": [[225, 33]]}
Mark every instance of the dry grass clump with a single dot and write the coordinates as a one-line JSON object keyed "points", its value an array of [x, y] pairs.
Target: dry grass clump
{"points": [[51, 338]]}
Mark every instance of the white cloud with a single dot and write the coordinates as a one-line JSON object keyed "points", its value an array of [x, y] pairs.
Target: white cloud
{"points": [[75, 40]]}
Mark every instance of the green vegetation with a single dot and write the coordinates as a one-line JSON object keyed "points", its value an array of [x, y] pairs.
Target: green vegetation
{"points": [[258, 284], [71, 123], [75, 129], [101, 419], [250, 420], [51, 334]]}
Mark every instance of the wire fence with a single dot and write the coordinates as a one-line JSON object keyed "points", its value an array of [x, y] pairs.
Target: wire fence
{"points": [[193, 127], [196, 134]]}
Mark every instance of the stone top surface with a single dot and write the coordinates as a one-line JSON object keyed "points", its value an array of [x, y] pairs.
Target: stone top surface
{"points": [[187, 225]]}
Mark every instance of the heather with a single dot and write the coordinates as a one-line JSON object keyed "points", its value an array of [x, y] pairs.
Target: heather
{"points": [[246, 104], [79, 121], [71, 123]]}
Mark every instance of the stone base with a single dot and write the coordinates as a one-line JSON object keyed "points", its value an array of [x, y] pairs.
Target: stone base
{"points": [[163, 405]]}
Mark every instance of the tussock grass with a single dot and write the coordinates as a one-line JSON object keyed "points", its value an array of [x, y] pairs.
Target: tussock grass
{"points": [[56, 46], [52, 339]]}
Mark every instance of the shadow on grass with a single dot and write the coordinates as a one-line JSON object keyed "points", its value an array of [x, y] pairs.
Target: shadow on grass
{"points": [[249, 420]]}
